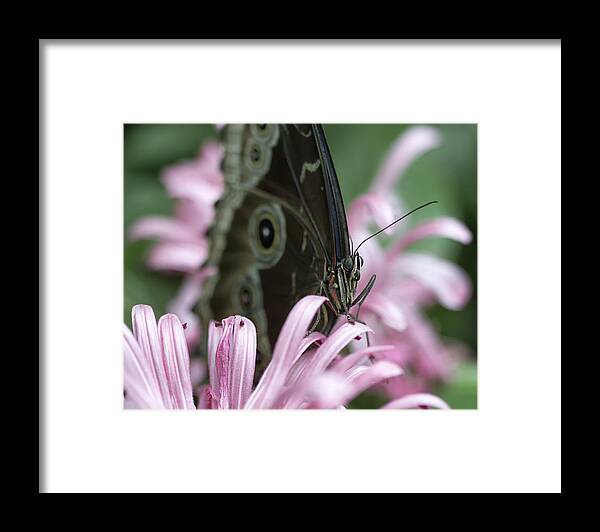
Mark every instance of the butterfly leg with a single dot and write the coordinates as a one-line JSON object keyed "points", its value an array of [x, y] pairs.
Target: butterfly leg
{"points": [[360, 299]]}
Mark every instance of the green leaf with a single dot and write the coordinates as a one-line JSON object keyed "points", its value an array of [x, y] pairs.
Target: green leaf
{"points": [[461, 392], [151, 146], [143, 286]]}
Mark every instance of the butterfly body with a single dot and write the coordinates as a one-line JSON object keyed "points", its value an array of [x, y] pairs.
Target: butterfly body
{"points": [[280, 231]]}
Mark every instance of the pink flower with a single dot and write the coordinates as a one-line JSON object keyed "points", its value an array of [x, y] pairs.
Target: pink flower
{"points": [[196, 185], [407, 281], [182, 244], [157, 363], [300, 374], [306, 371]]}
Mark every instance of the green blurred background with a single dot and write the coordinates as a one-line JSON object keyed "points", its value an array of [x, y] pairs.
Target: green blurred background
{"points": [[447, 174]]}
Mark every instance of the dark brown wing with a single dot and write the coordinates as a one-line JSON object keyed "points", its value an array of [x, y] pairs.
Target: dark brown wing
{"points": [[279, 225], [303, 157]]}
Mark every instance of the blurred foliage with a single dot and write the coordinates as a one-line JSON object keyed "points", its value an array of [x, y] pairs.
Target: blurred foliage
{"points": [[447, 174], [462, 391]]}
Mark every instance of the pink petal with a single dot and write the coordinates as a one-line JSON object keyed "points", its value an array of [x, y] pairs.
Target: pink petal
{"points": [[234, 362], [189, 185], [285, 352], [418, 400], [404, 385], [332, 390], [413, 292], [215, 332], [131, 404], [444, 227], [334, 344], [433, 360], [205, 398], [139, 382], [211, 155], [177, 361], [220, 386], [349, 361], [146, 334], [408, 147], [368, 376], [298, 368], [200, 180], [374, 261], [184, 302], [390, 312], [313, 338], [163, 228], [327, 390], [190, 291], [322, 359], [303, 358], [382, 209], [243, 363], [178, 257], [447, 282], [195, 214]]}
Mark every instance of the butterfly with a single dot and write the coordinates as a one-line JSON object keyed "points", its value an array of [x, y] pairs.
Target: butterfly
{"points": [[280, 233]]}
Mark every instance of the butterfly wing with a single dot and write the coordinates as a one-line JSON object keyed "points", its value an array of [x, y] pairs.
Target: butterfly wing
{"points": [[279, 225]]}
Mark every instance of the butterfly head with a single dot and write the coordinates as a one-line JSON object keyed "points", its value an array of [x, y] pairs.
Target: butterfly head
{"points": [[341, 284], [342, 280]]}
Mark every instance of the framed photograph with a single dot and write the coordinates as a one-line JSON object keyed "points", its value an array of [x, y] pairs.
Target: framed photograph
{"points": [[238, 233], [378, 255]]}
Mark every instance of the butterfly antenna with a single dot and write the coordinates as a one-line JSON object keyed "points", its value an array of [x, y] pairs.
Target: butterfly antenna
{"points": [[396, 221]]}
